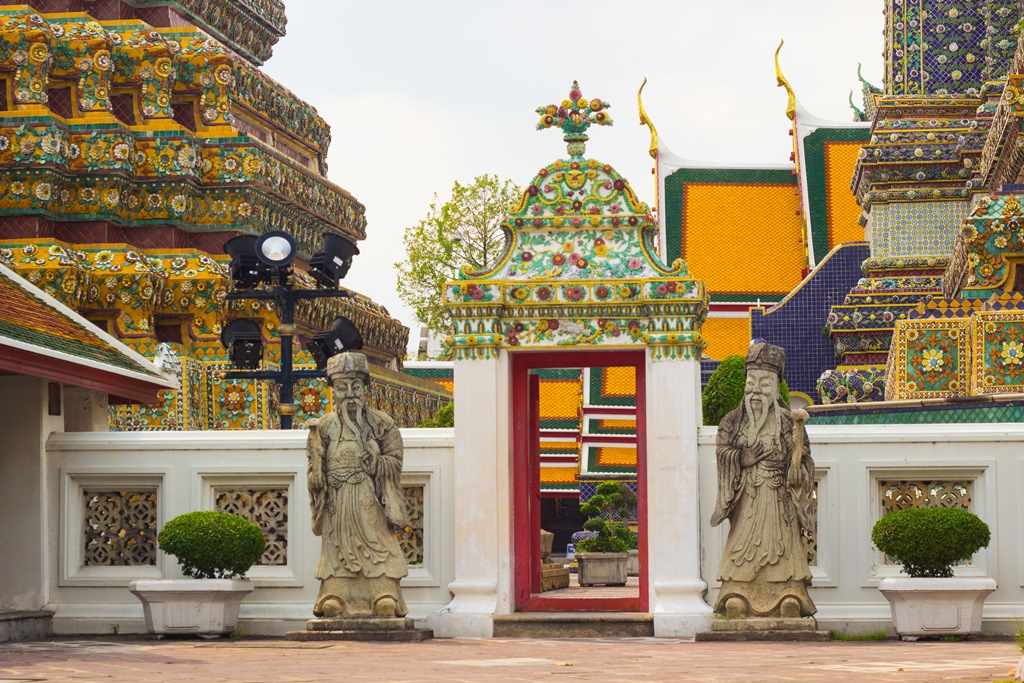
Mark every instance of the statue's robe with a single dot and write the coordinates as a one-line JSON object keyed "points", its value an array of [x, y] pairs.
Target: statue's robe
{"points": [[765, 555], [356, 510]]}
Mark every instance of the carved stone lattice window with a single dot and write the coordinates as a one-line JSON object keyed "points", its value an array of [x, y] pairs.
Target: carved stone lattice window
{"points": [[915, 493], [904, 494], [120, 528], [411, 538], [265, 507]]}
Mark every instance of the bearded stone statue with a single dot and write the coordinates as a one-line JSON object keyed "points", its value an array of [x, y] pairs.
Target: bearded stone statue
{"points": [[765, 483], [354, 477]]}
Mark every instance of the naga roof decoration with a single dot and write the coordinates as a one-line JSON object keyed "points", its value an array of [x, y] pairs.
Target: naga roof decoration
{"points": [[580, 266], [91, 166]]}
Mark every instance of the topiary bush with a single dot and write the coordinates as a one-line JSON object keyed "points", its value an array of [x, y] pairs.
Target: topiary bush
{"points": [[212, 545], [929, 541], [606, 511], [724, 390]]}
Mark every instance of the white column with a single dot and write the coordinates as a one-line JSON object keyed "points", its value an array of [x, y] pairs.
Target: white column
{"points": [[676, 588], [25, 424], [483, 532]]}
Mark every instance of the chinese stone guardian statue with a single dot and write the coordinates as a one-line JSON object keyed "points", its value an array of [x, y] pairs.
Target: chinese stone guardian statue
{"points": [[354, 476], [765, 484]]}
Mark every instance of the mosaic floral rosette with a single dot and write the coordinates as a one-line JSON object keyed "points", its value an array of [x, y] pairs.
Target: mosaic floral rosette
{"points": [[998, 352], [929, 358]]}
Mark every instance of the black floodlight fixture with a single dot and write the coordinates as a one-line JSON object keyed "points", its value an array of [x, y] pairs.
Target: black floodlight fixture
{"points": [[331, 264], [246, 270], [276, 250], [242, 338], [343, 336]]}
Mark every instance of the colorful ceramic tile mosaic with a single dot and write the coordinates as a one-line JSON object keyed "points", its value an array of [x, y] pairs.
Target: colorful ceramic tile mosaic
{"points": [[952, 413], [998, 352], [987, 249], [853, 385], [581, 267], [250, 27], [796, 323], [829, 156], [94, 167], [207, 400], [938, 47], [28, 320], [915, 229], [929, 359]]}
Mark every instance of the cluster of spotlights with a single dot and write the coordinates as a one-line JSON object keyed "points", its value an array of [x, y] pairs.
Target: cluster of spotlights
{"points": [[267, 260]]}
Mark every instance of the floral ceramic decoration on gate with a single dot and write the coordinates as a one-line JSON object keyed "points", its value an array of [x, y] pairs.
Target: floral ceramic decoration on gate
{"points": [[580, 266]]}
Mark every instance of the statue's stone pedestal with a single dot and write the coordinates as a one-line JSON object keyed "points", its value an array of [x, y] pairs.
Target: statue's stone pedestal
{"points": [[763, 628], [385, 629]]}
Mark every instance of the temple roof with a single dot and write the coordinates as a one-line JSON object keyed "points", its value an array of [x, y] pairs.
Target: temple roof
{"points": [[41, 337]]}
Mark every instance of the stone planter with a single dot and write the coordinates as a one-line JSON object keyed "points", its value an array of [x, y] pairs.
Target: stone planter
{"points": [[608, 569], [203, 607], [633, 563], [936, 607]]}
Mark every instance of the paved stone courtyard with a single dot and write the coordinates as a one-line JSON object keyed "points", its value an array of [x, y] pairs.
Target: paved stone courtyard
{"points": [[467, 660]]}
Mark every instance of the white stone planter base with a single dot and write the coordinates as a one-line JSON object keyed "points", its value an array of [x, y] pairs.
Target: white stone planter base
{"points": [[204, 607], [936, 607], [633, 563], [602, 568]]}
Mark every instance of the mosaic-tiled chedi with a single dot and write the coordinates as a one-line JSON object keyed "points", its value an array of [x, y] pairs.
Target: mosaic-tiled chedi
{"points": [[130, 152], [946, 64], [580, 268]]}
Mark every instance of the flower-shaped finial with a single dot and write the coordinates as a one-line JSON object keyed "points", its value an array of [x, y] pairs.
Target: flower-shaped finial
{"points": [[574, 116]]}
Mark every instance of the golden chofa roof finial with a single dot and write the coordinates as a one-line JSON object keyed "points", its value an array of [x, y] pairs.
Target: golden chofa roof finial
{"points": [[791, 106], [645, 120]]}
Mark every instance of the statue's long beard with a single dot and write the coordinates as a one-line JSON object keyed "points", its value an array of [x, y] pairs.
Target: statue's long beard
{"points": [[355, 423], [756, 418]]}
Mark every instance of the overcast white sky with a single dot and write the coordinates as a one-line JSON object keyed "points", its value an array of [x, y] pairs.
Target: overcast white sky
{"points": [[420, 94]]}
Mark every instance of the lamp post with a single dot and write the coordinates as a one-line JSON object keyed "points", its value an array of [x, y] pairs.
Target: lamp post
{"points": [[267, 260]]}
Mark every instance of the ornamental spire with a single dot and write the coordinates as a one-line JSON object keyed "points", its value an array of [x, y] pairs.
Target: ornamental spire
{"points": [[574, 117]]}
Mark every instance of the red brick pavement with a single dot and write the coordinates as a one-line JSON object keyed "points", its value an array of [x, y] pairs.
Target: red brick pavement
{"points": [[466, 660]]}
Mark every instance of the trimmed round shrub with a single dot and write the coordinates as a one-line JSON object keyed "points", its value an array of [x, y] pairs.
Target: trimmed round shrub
{"points": [[724, 390], [929, 541], [212, 545]]}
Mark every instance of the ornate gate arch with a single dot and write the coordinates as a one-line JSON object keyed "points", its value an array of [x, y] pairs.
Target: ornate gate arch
{"points": [[580, 274]]}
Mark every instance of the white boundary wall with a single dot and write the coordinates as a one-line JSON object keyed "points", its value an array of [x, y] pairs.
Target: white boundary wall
{"points": [[183, 467]]}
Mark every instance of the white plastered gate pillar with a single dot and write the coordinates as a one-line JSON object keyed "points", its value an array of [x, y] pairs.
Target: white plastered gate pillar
{"points": [[482, 500], [676, 588]]}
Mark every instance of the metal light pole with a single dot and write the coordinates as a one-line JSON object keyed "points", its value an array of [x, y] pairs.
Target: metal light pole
{"points": [[327, 267]]}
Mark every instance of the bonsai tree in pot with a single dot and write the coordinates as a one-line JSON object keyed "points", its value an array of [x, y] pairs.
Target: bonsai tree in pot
{"points": [[602, 558], [928, 542], [215, 550]]}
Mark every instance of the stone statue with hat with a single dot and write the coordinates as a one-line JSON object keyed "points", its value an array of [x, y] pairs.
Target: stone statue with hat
{"points": [[354, 477], [765, 487]]}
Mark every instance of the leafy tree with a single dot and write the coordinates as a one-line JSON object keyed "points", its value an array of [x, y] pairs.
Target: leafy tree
{"points": [[464, 231], [444, 417], [724, 390]]}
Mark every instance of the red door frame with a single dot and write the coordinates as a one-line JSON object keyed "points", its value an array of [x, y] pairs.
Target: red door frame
{"points": [[526, 479]]}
